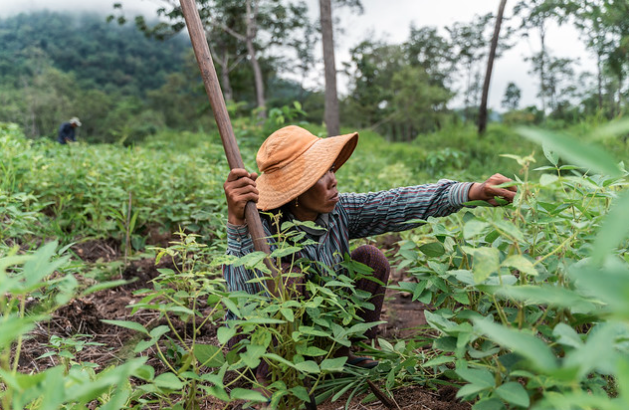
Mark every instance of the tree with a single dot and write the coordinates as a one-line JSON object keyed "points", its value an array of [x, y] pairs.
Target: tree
{"points": [[589, 19], [427, 49], [511, 99], [392, 91], [558, 75], [372, 66], [482, 116], [331, 114], [535, 14], [244, 22], [468, 41], [417, 106]]}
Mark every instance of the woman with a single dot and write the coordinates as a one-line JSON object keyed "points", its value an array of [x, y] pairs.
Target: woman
{"points": [[298, 179]]}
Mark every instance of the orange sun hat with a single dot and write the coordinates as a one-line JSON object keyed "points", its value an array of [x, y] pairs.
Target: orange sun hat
{"points": [[292, 160]]}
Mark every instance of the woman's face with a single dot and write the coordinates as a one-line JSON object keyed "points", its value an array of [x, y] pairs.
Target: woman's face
{"points": [[321, 198]]}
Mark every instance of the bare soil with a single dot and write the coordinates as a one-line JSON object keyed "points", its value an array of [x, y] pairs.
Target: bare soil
{"points": [[83, 316]]}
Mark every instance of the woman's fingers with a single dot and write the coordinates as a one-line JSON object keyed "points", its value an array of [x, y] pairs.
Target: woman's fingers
{"points": [[240, 188], [492, 188]]}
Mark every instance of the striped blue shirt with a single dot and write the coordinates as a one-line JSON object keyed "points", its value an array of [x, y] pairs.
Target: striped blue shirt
{"points": [[355, 216]]}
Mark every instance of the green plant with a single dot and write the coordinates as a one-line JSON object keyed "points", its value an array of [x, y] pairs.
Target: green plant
{"points": [[23, 276], [524, 296], [66, 348]]}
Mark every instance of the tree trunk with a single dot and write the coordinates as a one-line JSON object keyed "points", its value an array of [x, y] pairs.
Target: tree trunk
{"points": [[223, 62], [542, 66], [257, 72], [599, 76], [482, 115], [331, 115], [468, 92]]}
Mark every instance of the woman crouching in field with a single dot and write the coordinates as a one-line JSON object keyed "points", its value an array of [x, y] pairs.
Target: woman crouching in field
{"points": [[298, 180]]}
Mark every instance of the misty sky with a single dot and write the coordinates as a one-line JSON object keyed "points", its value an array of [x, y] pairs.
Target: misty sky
{"points": [[387, 20]]}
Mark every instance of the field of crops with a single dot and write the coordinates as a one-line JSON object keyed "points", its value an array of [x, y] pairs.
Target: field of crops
{"points": [[111, 292]]}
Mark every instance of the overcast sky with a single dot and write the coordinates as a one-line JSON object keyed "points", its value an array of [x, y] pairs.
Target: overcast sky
{"points": [[388, 20]]}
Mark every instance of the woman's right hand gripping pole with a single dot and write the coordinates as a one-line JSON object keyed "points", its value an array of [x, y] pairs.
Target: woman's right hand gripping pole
{"points": [[240, 188]]}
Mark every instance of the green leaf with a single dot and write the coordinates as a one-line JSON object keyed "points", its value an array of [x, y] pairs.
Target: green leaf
{"points": [[598, 352], [508, 228], [145, 373], [586, 155], [477, 376], [613, 230], [622, 377], [264, 321], [333, 365], [158, 331], [176, 309], [470, 389], [526, 345], [252, 356], [282, 252], [143, 345], [127, 324], [53, 389], [612, 129], [279, 359], [439, 360], [168, 381], [547, 179], [547, 295], [514, 393], [610, 286], [433, 249], [224, 334], [310, 351], [489, 404], [486, 262], [473, 228], [309, 366], [550, 155], [208, 355], [301, 393], [232, 307], [40, 266], [246, 394], [288, 314], [13, 326], [520, 263], [104, 285], [567, 336]]}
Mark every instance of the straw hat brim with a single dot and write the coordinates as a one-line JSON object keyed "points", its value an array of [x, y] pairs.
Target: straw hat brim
{"points": [[281, 186]]}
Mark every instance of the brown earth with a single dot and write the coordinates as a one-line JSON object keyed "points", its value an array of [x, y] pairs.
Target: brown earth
{"points": [[109, 344]]}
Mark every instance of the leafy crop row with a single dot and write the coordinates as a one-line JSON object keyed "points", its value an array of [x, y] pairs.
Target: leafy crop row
{"points": [[527, 303]]}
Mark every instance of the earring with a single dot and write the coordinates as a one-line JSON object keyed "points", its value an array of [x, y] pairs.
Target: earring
{"points": [[297, 202]]}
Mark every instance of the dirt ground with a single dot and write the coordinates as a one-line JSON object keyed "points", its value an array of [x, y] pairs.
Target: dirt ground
{"points": [[83, 316]]}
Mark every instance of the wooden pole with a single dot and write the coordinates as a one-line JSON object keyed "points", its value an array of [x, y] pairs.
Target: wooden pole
{"points": [[214, 93]]}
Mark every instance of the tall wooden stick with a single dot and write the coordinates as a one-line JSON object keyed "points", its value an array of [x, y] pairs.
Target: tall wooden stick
{"points": [[213, 90], [214, 93]]}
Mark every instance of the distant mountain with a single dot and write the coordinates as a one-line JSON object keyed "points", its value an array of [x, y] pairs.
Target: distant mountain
{"points": [[103, 55]]}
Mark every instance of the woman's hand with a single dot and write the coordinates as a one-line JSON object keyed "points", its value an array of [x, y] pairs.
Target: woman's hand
{"points": [[488, 190], [240, 188]]}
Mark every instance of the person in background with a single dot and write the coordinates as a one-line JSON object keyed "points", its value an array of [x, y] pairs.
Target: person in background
{"points": [[67, 131], [298, 182]]}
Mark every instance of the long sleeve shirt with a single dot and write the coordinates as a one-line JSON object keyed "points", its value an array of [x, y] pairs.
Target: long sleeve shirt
{"points": [[354, 216], [66, 132]]}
